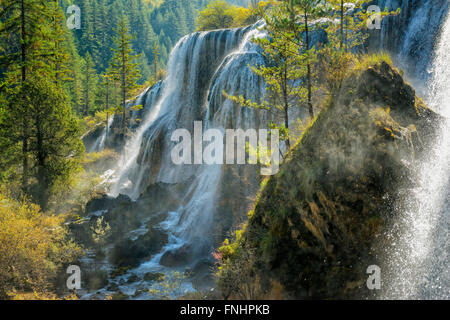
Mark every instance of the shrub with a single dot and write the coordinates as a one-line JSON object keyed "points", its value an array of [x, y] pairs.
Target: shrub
{"points": [[33, 247]]}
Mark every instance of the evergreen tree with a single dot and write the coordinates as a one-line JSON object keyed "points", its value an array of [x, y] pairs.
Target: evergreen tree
{"points": [[34, 97], [306, 9], [55, 143], [123, 67], [283, 72], [24, 22], [156, 55], [89, 83], [59, 57]]}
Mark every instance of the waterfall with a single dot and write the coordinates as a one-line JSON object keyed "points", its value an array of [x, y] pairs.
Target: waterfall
{"points": [[151, 109], [411, 36], [417, 266], [200, 67], [105, 134], [99, 143], [176, 103]]}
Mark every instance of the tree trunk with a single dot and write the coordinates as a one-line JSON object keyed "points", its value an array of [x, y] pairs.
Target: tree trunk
{"points": [[41, 174], [342, 24], [286, 109], [124, 93], [25, 130], [308, 65], [156, 69]]}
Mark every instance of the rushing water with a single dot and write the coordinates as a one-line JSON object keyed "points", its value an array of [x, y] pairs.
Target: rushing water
{"points": [[200, 67], [419, 258], [99, 143]]}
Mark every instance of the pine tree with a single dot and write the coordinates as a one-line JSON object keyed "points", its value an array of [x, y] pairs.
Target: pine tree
{"points": [[283, 73], [55, 144], [59, 55], [24, 21], [34, 97], [156, 54], [307, 9], [124, 68], [89, 83]]}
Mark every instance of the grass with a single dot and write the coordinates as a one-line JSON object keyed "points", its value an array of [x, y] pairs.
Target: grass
{"points": [[367, 60]]}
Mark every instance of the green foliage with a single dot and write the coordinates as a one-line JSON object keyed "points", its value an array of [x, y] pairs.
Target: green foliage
{"points": [[89, 83], [53, 137], [100, 231], [288, 63], [156, 55], [124, 67], [169, 287], [219, 14], [367, 60]]}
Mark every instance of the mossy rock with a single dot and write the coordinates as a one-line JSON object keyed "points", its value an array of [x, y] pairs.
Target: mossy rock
{"points": [[96, 279], [154, 276], [132, 278], [315, 226], [129, 252], [120, 271], [119, 296]]}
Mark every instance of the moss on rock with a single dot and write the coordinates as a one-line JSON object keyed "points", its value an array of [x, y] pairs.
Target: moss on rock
{"points": [[315, 223]]}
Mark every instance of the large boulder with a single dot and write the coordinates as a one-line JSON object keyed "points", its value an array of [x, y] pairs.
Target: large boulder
{"points": [[129, 253]]}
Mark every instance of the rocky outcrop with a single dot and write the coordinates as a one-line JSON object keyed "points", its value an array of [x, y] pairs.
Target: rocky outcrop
{"points": [[91, 139], [314, 226], [128, 253]]}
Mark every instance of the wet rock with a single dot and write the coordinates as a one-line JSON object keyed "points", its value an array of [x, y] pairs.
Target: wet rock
{"points": [[112, 287], [178, 257], [120, 271], [202, 275], [199, 247], [119, 296], [153, 276], [96, 279], [132, 278], [91, 137], [129, 253], [105, 202]]}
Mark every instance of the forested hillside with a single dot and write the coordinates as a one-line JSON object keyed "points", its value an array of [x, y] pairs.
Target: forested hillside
{"points": [[155, 27]]}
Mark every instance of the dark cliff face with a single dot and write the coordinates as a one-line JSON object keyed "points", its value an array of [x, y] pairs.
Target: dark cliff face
{"points": [[315, 223]]}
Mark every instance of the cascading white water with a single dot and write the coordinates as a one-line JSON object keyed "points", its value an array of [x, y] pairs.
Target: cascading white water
{"points": [[201, 66], [419, 258], [152, 108], [411, 36], [105, 135], [99, 143], [180, 103]]}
